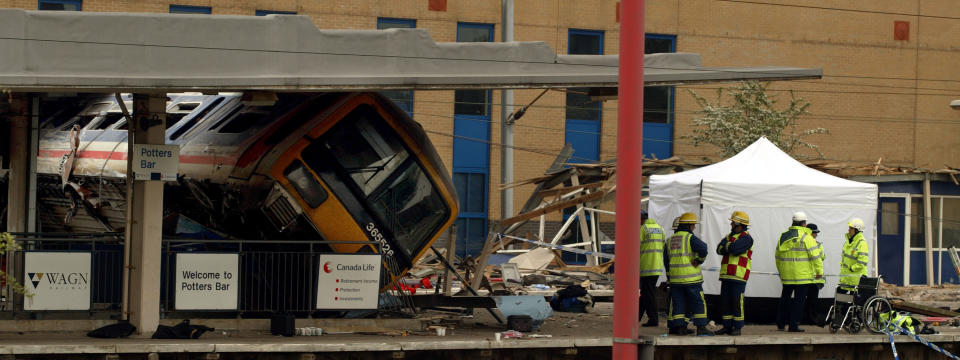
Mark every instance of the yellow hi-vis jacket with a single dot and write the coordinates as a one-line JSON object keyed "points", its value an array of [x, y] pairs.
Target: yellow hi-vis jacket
{"points": [[651, 248], [823, 257], [680, 260], [798, 257], [853, 264]]}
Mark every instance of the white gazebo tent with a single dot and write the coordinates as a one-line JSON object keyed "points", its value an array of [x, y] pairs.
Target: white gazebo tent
{"points": [[770, 186]]}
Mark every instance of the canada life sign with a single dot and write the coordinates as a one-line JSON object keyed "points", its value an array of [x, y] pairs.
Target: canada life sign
{"points": [[348, 282]]}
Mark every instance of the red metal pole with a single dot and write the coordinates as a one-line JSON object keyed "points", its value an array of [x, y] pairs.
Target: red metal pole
{"points": [[629, 181]]}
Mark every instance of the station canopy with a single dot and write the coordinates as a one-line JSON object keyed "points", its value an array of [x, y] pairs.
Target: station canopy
{"points": [[53, 51]]}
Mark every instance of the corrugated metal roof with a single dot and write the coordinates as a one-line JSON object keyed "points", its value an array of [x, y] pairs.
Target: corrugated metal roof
{"points": [[97, 52]]}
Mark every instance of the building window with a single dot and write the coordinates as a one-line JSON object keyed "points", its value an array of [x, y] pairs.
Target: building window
{"points": [[583, 125], [61, 5], [274, 12], [394, 23], [890, 218], [471, 153], [403, 98], [188, 9], [658, 104], [658, 100], [950, 222]]}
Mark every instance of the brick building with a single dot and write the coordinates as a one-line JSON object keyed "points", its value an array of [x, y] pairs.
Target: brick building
{"points": [[889, 74]]}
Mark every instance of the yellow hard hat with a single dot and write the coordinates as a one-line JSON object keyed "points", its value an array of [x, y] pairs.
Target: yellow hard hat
{"points": [[740, 217], [688, 218]]}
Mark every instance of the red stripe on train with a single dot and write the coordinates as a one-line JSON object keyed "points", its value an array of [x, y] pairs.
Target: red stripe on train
{"points": [[92, 154]]}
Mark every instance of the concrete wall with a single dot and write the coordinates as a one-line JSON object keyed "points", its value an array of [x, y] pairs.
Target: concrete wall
{"points": [[880, 97]]}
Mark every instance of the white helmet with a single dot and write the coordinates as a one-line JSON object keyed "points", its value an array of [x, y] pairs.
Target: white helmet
{"points": [[856, 223], [799, 216]]}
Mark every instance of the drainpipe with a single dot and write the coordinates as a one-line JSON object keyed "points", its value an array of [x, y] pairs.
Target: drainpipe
{"points": [[34, 151], [928, 227], [626, 324], [506, 123], [128, 228]]}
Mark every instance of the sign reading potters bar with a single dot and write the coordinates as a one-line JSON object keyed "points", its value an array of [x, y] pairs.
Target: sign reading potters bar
{"points": [[156, 162], [57, 280], [348, 282], [207, 281]]}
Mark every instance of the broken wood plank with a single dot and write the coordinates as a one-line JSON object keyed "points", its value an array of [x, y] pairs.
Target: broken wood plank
{"points": [[564, 190], [921, 309], [553, 207]]}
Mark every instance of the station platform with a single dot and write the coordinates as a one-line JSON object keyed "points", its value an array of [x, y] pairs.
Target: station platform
{"points": [[571, 336], [762, 342]]}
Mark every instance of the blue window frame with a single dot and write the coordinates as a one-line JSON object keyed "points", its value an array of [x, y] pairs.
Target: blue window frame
{"points": [[658, 102], [392, 23], [403, 98], [189, 9], [62, 5], [272, 12], [471, 153], [584, 116]]}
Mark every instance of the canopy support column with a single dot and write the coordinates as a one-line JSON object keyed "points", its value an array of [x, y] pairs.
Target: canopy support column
{"points": [[149, 118]]}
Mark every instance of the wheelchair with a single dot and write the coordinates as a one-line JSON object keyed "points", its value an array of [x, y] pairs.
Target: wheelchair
{"points": [[862, 309]]}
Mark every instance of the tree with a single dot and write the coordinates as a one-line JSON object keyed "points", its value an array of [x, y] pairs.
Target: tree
{"points": [[751, 115], [8, 243]]}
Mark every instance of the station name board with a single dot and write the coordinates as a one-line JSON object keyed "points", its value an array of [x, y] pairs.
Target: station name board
{"points": [[156, 162]]}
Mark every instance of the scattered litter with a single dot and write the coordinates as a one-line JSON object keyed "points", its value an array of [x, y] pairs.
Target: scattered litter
{"points": [[532, 307], [309, 331], [539, 287], [511, 334], [534, 260], [438, 330], [539, 336], [573, 298]]}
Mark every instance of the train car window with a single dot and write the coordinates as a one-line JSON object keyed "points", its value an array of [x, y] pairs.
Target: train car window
{"points": [[79, 120], [193, 121], [97, 108], [371, 151], [396, 187], [187, 106], [108, 120], [411, 207], [173, 119], [306, 185], [248, 118], [64, 114]]}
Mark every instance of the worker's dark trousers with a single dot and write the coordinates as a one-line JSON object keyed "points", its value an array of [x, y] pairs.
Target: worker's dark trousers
{"points": [[812, 307], [648, 299], [791, 309], [686, 298], [731, 303]]}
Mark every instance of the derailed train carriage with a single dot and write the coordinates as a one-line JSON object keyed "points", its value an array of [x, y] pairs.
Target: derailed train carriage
{"points": [[340, 167]]}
